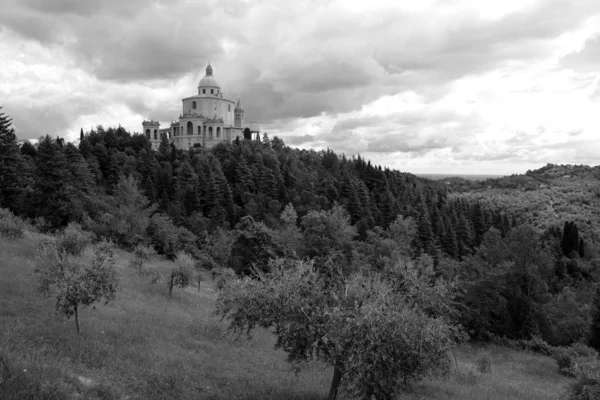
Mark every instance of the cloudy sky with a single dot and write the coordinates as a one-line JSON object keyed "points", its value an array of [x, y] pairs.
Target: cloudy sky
{"points": [[446, 86]]}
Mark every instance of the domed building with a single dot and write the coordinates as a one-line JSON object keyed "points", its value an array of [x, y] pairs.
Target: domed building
{"points": [[207, 119]]}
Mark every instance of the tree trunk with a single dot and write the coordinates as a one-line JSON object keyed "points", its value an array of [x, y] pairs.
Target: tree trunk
{"points": [[77, 321], [171, 284], [335, 383]]}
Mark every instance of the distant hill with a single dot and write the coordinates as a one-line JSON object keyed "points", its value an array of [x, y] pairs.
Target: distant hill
{"points": [[543, 197], [451, 177]]}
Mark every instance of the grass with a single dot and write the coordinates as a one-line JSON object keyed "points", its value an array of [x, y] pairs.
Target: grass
{"points": [[144, 345]]}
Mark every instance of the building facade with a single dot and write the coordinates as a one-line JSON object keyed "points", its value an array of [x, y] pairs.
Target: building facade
{"points": [[207, 119]]}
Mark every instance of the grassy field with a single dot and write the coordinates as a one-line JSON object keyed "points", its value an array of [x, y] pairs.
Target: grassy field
{"points": [[144, 345]]}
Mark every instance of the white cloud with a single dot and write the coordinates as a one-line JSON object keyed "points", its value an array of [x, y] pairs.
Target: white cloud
{"points": [[437, 86]]}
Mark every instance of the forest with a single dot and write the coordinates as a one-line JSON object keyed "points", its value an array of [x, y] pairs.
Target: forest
{"points": [[520, 254]]}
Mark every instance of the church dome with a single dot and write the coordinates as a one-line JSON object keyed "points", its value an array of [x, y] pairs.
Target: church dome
{"points": [[209, 80]]}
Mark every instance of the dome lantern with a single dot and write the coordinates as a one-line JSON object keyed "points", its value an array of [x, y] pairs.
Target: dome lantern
{"points": [[208, 82]]}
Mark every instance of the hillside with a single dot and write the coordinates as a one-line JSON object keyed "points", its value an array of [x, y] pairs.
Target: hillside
{"points": [[544, 197], [144, 345]]}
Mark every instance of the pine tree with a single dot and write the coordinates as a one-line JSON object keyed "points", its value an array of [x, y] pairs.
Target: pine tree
{"points": [[13, 179], [267, 182], [27, 149], [52, 197]]}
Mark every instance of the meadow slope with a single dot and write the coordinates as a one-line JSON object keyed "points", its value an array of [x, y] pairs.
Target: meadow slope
{"points": [[144, 345]]}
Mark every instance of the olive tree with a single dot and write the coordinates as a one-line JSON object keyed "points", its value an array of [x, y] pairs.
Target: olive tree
{"points": [[75, 283], [380, 331]]}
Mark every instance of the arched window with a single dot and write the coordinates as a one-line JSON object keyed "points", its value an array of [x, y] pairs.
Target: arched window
{"points": [[148, 133], [210, 132], [218, 132], [194, 105], [212, 91], [155, 134], [203, 91], [204, 134], [190, 128]]}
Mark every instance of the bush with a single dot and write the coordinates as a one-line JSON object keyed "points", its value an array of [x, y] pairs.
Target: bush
{"points": [[155, 276], [483, 362], [11, 226], [225, 275], [183, 273], [72, 240], [142, 254], [572, 360], [538, 345], [587, 386], [41, 225], [468, 377], [169, 239]]}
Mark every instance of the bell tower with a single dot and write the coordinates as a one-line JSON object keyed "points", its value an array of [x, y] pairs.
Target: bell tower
{"points": [[238, 121]]}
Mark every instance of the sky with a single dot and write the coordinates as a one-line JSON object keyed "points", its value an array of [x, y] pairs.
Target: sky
{"points": [[428, 86]]}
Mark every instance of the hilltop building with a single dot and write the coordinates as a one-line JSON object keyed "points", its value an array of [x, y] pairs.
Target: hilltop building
{"points": [[207, 119]]}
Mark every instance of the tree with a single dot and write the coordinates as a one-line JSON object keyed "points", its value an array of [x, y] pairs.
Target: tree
{"points": [[13, 178], [52, 196], [379, 332], [127, 216], [73, 283], [595, 328], [253, 247], [169, 239]]}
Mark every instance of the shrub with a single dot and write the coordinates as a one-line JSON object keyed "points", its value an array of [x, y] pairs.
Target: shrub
{"points": [[483, 362], [155, 277], [11, 226], [72, 240], [41, 225], [538, 345], [587, 386], [169, 239], [225, 275], [571, 360], [183, 273], [468, 377], [142, 254]]}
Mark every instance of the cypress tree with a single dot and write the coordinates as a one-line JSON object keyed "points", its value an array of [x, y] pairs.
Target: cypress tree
{"points": [[595, 327]]}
